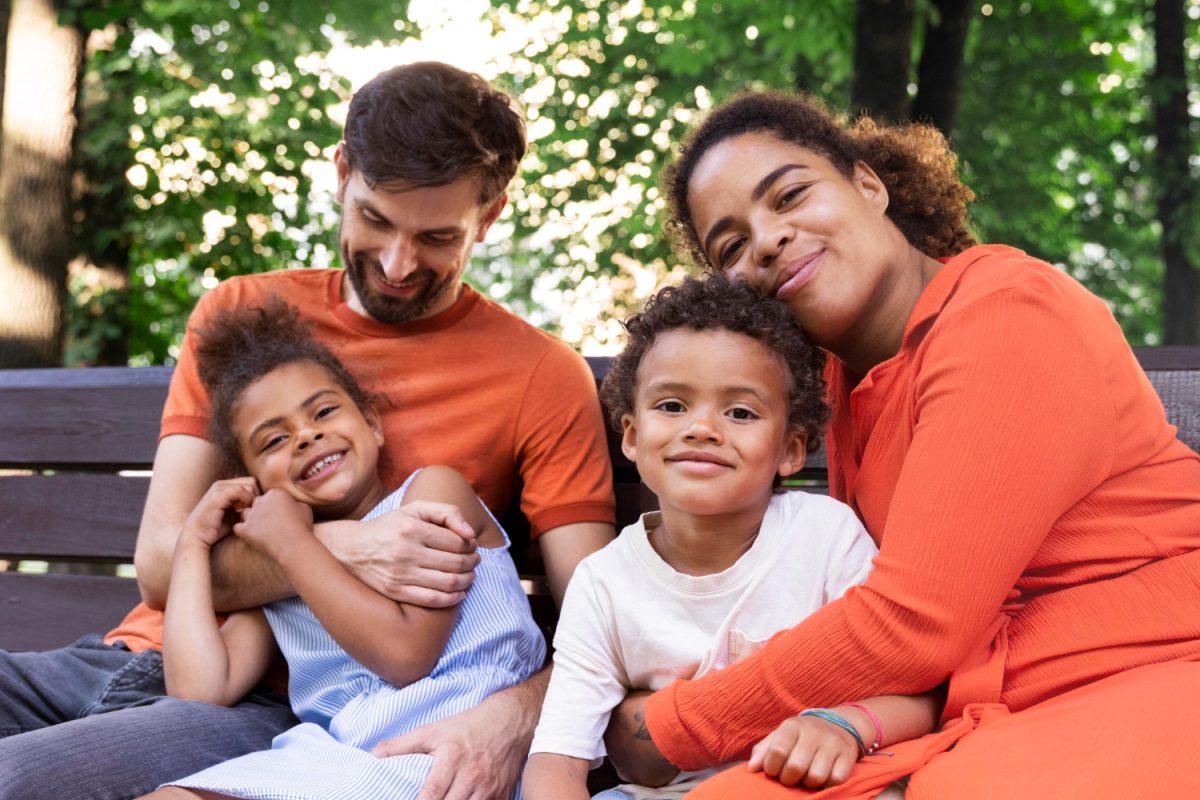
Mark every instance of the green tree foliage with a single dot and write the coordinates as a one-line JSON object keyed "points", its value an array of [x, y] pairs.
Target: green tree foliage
{"points": [[1054, 131], [200, 121]]}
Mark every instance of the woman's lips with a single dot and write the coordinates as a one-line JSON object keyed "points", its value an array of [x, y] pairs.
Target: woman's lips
{"points": [[797, 273]]}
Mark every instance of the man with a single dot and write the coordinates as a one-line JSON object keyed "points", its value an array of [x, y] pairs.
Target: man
{"points": [[427, 154]]}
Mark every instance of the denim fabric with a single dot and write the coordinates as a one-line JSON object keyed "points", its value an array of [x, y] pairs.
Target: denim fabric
{"points": [[91, 720]]}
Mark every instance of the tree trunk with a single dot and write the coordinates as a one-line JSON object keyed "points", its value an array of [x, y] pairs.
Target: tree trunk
{"points": [[939, 73], [1181, 284], [882, 58], [44, 64]]}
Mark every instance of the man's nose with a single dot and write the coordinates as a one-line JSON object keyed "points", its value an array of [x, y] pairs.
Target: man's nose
{"points": [[398, 260]]}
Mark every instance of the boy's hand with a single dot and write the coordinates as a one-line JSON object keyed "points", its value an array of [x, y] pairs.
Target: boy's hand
{"points": [[210, 521], [272, 519], [806, 750]]}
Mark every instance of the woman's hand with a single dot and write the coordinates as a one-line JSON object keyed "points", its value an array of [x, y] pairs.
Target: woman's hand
{"points": [[807, 750], [271, 520], [211, 520]]}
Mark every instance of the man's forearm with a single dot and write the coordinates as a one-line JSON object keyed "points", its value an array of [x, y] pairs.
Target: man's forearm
{"points": [[526, 699], [245, 578]]}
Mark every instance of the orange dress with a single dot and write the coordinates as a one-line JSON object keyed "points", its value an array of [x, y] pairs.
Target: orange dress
{"points": [[1038, 524]]}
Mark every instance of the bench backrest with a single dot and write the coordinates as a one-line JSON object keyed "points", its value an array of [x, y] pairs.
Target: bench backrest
{"points": [[76, 446]]}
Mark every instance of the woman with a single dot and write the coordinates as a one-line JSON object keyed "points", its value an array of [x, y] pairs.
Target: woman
{"points": [[1037, 518]]}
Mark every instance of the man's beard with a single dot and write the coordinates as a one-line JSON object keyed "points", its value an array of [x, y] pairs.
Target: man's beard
{"points": [[393, 310]]}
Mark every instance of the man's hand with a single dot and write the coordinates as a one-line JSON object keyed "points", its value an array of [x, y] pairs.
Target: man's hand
{"points": [[630, 747], [477, 754], [422, 553]]}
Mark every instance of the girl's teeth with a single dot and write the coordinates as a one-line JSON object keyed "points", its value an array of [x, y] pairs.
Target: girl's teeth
{"points": [[322, 464]]}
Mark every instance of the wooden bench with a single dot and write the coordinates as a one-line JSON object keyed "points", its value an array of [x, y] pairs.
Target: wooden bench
{"points": [[75, 452]]}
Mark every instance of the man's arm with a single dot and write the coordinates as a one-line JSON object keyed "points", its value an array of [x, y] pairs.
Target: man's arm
{"points": [[565, 546], [420, 554]]}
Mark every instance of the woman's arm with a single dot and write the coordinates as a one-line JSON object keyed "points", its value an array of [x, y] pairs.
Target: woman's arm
{"points": [[201, 661], [981, 484], [399, 642]]}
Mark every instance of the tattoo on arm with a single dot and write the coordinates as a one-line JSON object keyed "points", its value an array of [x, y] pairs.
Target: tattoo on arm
{"points": [[642, 732]]}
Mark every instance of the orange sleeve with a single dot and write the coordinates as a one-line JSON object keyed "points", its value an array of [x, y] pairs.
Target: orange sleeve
{"points": [[1009, 375], [564, 465], [187, 409]]}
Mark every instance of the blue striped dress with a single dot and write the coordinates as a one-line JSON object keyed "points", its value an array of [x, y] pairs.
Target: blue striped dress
{"points": [[345, 709]]}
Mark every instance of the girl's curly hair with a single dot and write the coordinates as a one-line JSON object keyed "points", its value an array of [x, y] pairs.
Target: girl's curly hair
{"points": [[926, 200], [714, 302], [242, 344]]}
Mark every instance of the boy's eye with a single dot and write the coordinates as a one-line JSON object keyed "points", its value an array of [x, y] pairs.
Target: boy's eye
{"points": [[669, 406], [742, 413], [440, 239]]}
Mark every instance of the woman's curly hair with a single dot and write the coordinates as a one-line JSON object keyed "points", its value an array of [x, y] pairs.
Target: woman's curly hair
{"points": [[242, 344], [926, 200], [714, 302]]}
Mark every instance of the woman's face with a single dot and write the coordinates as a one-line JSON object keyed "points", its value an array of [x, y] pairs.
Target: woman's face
{"points": [[785, 219]]}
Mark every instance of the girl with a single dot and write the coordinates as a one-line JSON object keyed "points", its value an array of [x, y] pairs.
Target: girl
{"points": [[718, 394], [1038, 519], [288, 416]]}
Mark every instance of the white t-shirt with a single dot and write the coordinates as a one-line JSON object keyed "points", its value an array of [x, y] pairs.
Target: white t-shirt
{"points": [[630, 621]]}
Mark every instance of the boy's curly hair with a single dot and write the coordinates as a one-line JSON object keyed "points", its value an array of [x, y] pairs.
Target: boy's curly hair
{"points": [[926, 200], [242, 344], [714, 302]]}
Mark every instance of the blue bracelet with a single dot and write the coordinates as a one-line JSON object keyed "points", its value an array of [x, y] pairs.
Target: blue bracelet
{"points": [[841, 722]]}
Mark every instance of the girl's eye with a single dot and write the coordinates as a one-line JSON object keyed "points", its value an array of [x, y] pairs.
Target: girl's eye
{"points": [[272, 443], [325, 411], [670, 406], [742, 414]]}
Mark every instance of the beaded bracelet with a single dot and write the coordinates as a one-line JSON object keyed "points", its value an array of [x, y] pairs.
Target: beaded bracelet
{"points": [[874, 721], [840, 721]]}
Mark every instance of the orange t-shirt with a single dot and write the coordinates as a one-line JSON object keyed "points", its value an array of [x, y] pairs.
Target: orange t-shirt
{"points": [[1034, 511], [508, 405]]}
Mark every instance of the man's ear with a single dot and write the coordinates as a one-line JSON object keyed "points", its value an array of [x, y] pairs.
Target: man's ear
{"points": [[870, 185], [795, 450], [629, 437], [341, 163], [490, 215]]}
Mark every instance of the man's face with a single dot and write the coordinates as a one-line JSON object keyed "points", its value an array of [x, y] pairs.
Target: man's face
{"points": [[405, 248]]}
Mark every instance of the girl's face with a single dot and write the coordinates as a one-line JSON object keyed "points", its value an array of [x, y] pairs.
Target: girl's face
{"points": [[299, 431], [785, 219], [709, 428]]}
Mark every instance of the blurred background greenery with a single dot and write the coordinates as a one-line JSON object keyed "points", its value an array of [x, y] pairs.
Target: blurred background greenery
{"points": [[153, 148]]}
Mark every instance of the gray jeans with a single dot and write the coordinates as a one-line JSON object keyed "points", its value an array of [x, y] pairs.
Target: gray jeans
{"points": [[91, 720]]}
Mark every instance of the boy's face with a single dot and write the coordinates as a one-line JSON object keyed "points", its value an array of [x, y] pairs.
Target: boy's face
{"points": [[299, 431], [709, 429]]}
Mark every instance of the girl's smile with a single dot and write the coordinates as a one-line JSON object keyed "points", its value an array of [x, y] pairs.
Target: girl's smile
{"points": [[320, 449]]}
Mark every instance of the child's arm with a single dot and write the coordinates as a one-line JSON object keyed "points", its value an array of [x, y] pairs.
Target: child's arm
{"points": [[399, 642], [549, 776], [815, 752], [202, 661]]}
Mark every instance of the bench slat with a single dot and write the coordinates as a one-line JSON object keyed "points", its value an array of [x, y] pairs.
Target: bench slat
{"points": [[96, 417], [41, 612], [70, 516]]}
